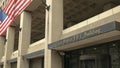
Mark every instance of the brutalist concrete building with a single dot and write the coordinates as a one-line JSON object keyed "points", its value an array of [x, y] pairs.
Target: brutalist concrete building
{"points": [[63, 34]]}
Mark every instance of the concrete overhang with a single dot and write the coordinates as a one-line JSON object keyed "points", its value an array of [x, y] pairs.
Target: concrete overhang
{"points": [[12, 60], [98, 35], [39, 53]]}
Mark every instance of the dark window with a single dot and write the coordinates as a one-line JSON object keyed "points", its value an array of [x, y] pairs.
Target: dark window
{"points": [[14, 65], [36, 63], [1, 66]]}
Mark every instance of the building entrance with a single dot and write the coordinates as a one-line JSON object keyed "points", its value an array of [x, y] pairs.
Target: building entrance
{"points": [[105, 55], [102, 56], [89, 61], [94, 61], [88, 64]]}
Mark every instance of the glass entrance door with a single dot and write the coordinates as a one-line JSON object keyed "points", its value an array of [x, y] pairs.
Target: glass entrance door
{"points": [[87, 64], [88, 61], [94, 61]]}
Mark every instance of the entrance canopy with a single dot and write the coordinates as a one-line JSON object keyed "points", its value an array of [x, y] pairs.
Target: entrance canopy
{"points": [[105, 33]]}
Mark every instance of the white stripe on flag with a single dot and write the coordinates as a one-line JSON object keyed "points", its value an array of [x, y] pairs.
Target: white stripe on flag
{"points": [[1, 32], [12, 10]]}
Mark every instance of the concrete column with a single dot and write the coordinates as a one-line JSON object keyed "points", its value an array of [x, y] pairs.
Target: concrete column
{"points": [[24, 39], [54, 28], [2, 46], [9, 45]]}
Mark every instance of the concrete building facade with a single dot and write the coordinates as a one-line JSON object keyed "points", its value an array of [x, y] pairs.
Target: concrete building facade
{"points": [[63, 34]]}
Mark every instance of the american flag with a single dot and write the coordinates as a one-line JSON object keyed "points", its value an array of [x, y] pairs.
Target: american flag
{"points": [[10, 12]]}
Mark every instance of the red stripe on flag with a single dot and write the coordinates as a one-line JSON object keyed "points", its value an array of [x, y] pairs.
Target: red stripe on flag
{"points": [[9, 22], [21, 9], [11, 14], [12, 10], [5, 23], [8, 5]]}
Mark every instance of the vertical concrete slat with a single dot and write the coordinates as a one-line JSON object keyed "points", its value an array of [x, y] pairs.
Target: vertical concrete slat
{"points": [[54, 28], [9, 45], [2, 45], [24, 39]]}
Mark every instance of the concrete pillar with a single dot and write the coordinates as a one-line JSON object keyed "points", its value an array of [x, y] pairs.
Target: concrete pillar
{"points": [[9, 45], [2, 46], [24, 39], [54, 28]]}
